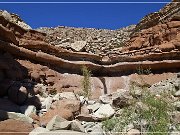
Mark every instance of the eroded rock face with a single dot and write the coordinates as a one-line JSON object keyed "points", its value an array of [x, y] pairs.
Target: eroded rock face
{"points": [[170, 12], [14, 18], [32, 70]]}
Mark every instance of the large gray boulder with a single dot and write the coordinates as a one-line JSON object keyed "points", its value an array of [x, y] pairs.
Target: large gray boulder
{"points": [[58, 123], [76, 126]]}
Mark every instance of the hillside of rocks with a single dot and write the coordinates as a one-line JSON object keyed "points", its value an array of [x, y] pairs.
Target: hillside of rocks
{"points": [[69, 80], [95, 41]]}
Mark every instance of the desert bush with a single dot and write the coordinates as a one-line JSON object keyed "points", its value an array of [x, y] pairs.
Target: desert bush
{"points": [[156, 114], [86, 84]]}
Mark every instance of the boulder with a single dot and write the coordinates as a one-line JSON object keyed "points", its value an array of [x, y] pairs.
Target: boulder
{"points": [[167, 47], [76, 126], [69, 104], [78, 45], [105, 111], [177, 93], [58, 123], [64, 113]]}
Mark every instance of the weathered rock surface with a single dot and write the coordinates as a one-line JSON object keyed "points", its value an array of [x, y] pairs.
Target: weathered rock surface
{"points": [[58, 123], [15, 127], [169, 12], [41, 72]]}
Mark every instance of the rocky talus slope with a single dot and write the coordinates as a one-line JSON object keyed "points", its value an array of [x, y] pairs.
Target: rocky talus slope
{"points": [[95, 41], [41, 79]]}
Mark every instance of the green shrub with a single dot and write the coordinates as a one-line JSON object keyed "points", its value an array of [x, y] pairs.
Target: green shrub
{"points": [[157, 114], [142, 71], [86, 84]]}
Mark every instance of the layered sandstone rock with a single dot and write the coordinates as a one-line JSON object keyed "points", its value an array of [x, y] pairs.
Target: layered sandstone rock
{"points": [[169, 12], [29, 54]]}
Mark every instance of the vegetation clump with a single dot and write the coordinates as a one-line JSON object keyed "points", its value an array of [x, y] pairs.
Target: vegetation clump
{"points": [[149, 113], [86, 84]]}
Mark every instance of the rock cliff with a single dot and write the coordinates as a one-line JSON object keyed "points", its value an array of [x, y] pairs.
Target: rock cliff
{"points": [[41, 70]]}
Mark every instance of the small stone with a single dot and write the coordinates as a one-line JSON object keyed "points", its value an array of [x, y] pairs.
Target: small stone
{"points": [[76, 126], [58, 123], [177, 93], [91, 102]]}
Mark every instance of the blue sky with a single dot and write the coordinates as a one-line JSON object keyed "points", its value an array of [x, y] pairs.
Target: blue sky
{"points": [[107, 16]]}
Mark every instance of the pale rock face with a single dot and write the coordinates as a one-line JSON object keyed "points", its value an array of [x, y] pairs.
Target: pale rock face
{"points": [[15, 19], [24, 25], [105, 111], [78, 45], [7, 15]]}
